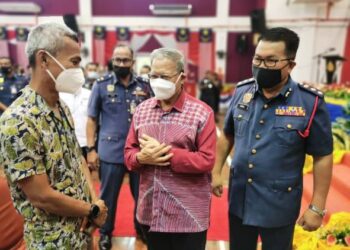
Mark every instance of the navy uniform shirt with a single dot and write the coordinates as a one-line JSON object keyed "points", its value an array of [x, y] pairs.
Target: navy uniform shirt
{"points": [[10, 88], [113, 104], [270, 143]]}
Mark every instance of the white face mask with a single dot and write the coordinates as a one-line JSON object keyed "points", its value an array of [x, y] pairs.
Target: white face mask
{"points": [[163, 89], [69, 80]]}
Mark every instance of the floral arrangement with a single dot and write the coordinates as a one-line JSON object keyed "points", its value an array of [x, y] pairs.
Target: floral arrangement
{"points": [[333, 236]]}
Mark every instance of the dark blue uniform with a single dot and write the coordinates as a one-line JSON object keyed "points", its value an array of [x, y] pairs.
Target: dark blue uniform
{"points": [[113, 104], [10, 87], [271, 138]]}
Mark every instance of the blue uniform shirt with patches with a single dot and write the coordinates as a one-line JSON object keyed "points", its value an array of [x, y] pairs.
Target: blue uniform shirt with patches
{"points": [[10, 88], [113, 104], [269, 152]]}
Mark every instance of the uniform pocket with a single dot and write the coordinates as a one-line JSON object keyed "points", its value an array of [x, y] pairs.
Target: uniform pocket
{"points": [[241, 119], [286, 130]]}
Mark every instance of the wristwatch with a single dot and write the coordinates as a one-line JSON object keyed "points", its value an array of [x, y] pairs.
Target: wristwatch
{"points": [[89, 149], [94, 212], [318, 211]]}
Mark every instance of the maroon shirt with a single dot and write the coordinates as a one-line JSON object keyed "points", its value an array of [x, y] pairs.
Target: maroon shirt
{"points": [[175, 198]]}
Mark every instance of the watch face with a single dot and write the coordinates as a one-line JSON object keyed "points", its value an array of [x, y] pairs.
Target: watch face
{"points": [[95, 210]]}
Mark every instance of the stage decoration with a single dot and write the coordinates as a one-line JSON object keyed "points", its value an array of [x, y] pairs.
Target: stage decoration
{"points": [[205, 35], [99, 32], [182, 35], [123, 34]]}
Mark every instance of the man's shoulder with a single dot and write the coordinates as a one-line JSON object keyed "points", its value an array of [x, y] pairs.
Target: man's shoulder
{"points": [[307, 88], [142, 79], [106, 79], [245, 82]]}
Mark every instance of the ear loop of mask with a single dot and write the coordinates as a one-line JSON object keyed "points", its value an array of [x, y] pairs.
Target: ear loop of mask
{"points": [[59, 64], [53, 58]]}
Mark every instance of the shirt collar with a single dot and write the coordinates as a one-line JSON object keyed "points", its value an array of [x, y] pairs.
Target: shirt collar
{"points": [[131, 81], [37, 100], [285, 92], [178, 105]]}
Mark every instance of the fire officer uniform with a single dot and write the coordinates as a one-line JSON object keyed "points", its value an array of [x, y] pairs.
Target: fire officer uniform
{"points": [[113, 105], [271, 138], [10, 88]]}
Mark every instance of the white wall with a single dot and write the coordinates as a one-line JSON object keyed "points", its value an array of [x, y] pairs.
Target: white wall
{"points": [[319, 27]]}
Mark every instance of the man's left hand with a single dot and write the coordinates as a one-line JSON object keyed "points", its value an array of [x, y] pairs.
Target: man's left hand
{"points": [[310, 221]]}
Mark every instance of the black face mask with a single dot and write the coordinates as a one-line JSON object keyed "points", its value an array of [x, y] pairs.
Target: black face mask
{"points": [[121, 72], [5, 70], [267, 78]]}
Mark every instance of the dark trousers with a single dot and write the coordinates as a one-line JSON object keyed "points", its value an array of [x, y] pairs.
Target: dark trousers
{"points": [[174, 241], [112, 175], [243, 237]]}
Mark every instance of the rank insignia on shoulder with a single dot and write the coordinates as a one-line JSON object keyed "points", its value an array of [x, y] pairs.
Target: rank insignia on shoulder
{"points": [[110, 87], [290, 111], [311, 89], [247, 81]]}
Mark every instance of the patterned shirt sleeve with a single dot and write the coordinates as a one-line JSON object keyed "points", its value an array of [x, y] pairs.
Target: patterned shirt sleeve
{"points": [[202, 160], [21, 149]]}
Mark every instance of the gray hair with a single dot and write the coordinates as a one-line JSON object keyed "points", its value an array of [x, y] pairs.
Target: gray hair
{"points": [[49, 37], [171, 54]]}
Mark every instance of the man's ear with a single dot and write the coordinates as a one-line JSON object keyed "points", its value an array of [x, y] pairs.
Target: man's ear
{"points": [[41, 58]]}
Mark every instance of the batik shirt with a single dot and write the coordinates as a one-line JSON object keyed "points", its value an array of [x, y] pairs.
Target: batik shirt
{"points": [[34, 141]]}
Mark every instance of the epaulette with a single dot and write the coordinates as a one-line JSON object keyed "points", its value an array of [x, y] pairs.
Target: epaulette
{"points": [[104, 78], [245, 82], [310, 89]]}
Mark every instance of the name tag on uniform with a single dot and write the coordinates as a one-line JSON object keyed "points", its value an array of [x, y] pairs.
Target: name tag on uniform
{"points": [[290, 111], [242, 106]]}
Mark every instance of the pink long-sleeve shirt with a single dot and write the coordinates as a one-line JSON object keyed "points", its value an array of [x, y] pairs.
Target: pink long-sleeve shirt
{"points": [[175, 198]]}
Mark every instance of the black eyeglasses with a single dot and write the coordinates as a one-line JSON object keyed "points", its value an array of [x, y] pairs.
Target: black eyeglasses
{"points": [[269, 63], [118, 60], [165, 77]]}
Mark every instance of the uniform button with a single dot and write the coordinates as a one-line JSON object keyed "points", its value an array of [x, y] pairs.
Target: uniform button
{"points": [[261, 121], [129, 120], [129, 110], [289, 126], [257, 137], [240, 116], [109, 138], [127, 100], [126, 91], [289, 189], [113, 100], [250, 180], [250, 165], [266, 106], [253, 151]]}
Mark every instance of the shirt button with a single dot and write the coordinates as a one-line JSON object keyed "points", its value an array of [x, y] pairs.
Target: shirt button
{"points": [[253, 151], [126, 91], [289, 189], [113, 100], [261, 121], [240, 116], [250, 180], [109, 138], [257, 137], [266, 106], [250, 165], [127, 100], [289, 126], [129, 120]]}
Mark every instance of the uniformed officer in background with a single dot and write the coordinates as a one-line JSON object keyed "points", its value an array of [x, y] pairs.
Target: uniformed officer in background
{"points": [[112, 103], [272, 123], [10, 83]]}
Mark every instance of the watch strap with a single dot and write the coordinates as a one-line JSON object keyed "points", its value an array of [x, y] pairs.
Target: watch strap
{"points": [[317, 210]]}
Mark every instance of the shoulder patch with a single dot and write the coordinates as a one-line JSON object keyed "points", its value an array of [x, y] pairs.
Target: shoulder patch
{"points": [[104, 78], [311, 89], [245, 82]]}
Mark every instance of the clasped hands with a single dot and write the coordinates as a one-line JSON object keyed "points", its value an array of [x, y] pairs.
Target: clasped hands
{"points": [[153, 152]]}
